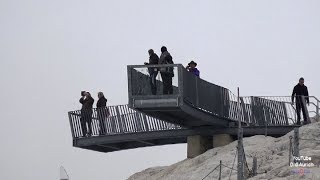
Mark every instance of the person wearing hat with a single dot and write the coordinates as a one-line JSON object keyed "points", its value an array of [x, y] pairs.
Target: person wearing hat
{"points": [[192, 68], [300, 92]]}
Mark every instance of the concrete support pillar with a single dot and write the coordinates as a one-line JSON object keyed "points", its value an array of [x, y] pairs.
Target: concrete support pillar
{"points": [[197, 145], [221, 140]]}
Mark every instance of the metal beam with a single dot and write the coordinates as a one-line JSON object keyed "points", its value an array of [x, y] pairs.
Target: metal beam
{"points": [[146, 142], [110, 147], [149, 137]]}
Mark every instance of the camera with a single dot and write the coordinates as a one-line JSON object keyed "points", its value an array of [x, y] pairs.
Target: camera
{"points": [[83, 93]]}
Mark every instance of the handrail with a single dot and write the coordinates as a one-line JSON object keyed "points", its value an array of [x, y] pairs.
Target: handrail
{"points": [[155, 65], [314, 103], [121, 120], [284, 97]]}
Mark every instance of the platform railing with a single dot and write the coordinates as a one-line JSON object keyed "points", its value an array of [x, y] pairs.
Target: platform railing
{"points": [[252, 111], [315, 104], [186, 89], [146, 85], [114, 120], [149, 80], [277, 110]]}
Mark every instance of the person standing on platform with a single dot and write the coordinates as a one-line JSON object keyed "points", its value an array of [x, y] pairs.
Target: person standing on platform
{"points": [[192, 68], [166, 72], [300, 92], [102, 113], [86, 113], [153, 60]]}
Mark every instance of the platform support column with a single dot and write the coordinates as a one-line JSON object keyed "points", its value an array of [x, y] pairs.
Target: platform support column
{"points": [[197, 145], [200, 144], [221, 140]]}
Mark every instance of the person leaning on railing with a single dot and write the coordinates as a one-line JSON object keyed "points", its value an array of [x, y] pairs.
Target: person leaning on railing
{"points": [[153, 59], [86, 113], [166, 72], [192, 68], [102, 112], [300, 91]]}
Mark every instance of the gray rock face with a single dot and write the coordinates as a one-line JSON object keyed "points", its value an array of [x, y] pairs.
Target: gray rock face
{"points": [[272, 154]]}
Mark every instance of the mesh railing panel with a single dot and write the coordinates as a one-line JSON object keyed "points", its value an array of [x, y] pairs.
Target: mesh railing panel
{"points": [[121, 120], [150, 81]]}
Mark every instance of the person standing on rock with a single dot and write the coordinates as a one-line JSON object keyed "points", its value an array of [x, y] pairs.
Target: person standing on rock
{"points": [[301, 94]]}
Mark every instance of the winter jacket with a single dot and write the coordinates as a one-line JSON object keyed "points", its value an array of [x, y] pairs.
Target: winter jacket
{"points": [[166, 58], [102, 102], [298, 91], [87, 102], [153, 59], [195, 71]]}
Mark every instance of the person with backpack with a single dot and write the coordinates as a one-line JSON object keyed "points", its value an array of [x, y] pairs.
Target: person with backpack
{"points": [[166, 72]]}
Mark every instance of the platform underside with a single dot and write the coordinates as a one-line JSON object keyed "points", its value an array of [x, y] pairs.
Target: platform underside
{"points": [[117, 142]]}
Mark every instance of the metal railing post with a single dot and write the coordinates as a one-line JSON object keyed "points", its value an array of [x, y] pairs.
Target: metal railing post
{"points": [[305, 108], [266, 127], [254, 166], [240, 155], [71, 125], [296, 142], [220, 170], [317, 110], [290, 149]]}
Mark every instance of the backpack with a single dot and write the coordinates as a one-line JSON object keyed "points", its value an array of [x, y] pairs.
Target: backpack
{"points": [[169, 61], [169, 70]]}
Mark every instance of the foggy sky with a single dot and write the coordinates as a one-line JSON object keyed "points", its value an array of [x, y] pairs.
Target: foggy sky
{"points": [[51, 50]]}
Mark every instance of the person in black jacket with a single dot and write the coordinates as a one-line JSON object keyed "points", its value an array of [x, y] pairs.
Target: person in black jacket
{"points": [[166, 72], [153, 60], [86, 113], [300, 92], [102, 112]]}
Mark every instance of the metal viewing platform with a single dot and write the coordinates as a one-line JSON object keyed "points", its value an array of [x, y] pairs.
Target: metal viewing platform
{"points": [[195, 107]]}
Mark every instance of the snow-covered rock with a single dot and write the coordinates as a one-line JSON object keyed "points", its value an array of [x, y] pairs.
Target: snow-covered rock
{"points": [[272, 154]]}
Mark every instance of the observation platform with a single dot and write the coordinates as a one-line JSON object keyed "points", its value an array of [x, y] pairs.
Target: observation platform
{"points": [[194, 108], [129, 129]]}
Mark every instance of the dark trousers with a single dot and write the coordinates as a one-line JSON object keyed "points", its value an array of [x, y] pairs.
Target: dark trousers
{"points": [[86, 118], [301, 107], [167, 83], [153, 81], [102, 114]]}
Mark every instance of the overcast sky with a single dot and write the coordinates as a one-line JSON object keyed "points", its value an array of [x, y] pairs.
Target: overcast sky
{"points": [[51, 50]]}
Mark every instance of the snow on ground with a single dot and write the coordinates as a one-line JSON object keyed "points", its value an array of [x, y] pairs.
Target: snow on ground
{"points": [[272, 154]]}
